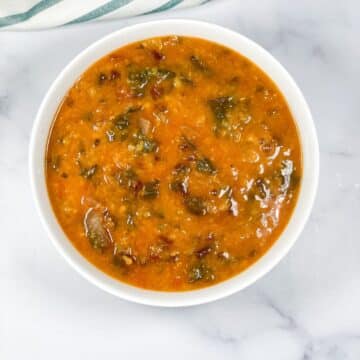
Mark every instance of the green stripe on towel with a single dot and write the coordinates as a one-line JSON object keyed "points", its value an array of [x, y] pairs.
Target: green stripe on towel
{"points": [[26, 15], [100, 11]]}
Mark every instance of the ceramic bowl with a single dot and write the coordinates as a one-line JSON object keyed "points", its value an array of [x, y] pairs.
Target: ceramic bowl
{"points": [[235, 41]]}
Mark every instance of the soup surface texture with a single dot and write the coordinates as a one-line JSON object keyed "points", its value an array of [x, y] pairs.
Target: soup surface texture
{"points": [[173, 164]]}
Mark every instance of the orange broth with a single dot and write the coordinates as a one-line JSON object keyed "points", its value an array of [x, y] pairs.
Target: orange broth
{"points": [[173, 163]]}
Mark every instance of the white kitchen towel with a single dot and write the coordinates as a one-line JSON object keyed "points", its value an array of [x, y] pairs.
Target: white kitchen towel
{"points": [[40, 14]]}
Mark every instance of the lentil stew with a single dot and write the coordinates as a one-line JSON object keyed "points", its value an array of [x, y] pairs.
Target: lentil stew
{"points": [[173, 163]]}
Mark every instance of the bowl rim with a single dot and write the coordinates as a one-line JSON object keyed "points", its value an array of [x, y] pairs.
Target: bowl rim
{"points": [[223, 36]]}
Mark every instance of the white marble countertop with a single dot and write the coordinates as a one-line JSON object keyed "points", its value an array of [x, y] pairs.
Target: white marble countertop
{"points": [[306, 308]]}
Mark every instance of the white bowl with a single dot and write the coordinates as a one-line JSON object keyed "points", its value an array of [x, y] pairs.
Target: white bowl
{"points": [[235, 41]]}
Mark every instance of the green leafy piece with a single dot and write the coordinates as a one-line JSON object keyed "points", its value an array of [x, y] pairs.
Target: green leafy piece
{"points": [[195, 205], [199, 64], [144, 144], [126, 177], [186, 80], [121, 125], [129, 179], [120, 130], [179, 182], [200, 272], [149, 145], [220, 108], [122, 121], [138, 81], [179, 185], [151, 189], [205, 166], [88, 172], [181, 169], [165, 74]]}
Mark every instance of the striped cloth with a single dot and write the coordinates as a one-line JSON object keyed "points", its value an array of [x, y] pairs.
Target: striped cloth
{"points": [[40, 14]]}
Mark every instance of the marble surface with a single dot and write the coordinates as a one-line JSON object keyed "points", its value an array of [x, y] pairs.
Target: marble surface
{"points": [[306, 308]]}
